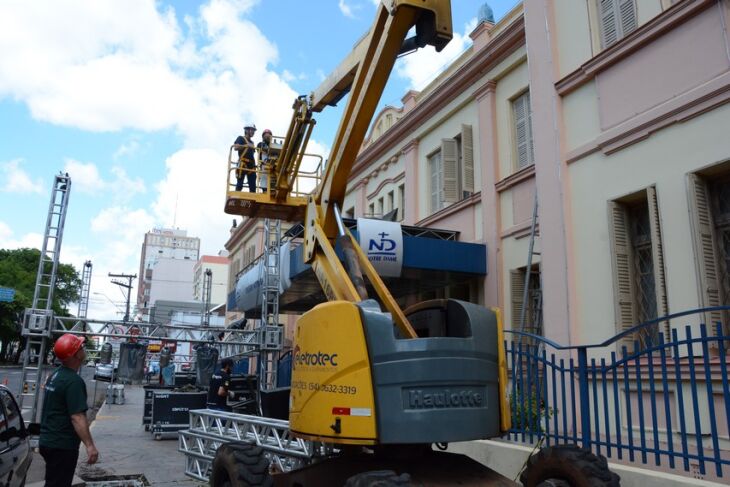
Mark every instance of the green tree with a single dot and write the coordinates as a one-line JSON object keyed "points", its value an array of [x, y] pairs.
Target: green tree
{"points": [[18, 269]]}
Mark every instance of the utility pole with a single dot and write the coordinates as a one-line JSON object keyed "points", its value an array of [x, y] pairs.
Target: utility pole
{"points": [[127, 285]]}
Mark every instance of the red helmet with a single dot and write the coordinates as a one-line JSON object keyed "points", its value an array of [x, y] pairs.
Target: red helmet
{"points": [[266, 131], [67, 346]]}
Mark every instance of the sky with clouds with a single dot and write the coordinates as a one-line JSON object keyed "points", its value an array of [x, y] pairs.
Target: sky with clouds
{"points": [[139, 101]]}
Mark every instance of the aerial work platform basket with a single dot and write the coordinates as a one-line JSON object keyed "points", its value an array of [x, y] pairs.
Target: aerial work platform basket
{"points": [[268, 201], [276, 183]]}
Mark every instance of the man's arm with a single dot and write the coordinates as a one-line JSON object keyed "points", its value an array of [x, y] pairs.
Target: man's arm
{"points": [[81, 426]]}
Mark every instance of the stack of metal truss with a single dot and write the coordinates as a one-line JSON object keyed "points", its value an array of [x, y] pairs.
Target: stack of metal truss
{"points": [[209, 429]]}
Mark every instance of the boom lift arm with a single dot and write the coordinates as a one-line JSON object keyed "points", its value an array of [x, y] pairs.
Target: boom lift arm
{"points": [[364, 75]]}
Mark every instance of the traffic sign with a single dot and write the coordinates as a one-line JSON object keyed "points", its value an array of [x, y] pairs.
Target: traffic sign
{"points": [[7, 294]]}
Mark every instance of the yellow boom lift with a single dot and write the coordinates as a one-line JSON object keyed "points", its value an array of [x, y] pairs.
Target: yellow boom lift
{"points": [[377, 383]]}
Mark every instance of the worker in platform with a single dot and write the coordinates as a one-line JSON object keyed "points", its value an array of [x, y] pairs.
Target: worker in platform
{"points": [[265, 157], [246, 158], [219, 388], [63, 421]]}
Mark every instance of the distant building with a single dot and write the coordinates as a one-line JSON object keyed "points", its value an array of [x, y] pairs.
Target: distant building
{"points": [[171, 279], [170, 245], [218, 264]]}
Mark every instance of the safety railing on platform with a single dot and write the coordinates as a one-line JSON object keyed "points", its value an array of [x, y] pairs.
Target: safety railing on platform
{"points": [[664, 405], [307, 178]]}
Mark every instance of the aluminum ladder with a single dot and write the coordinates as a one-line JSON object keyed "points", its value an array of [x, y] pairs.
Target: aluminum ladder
{"points": [[38, 319]]}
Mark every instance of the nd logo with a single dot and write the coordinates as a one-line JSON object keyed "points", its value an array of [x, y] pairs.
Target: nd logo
{"points": [[385, 244]]}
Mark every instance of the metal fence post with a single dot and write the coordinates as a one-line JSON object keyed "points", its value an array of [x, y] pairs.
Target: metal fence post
{"points": [[585, 414]]}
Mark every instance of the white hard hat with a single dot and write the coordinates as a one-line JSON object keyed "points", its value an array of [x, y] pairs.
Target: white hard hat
{"points": [[250, 126]]}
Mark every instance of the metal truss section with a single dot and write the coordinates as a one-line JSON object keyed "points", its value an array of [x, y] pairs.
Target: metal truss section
{"points": [[209, 429], [233, 339], [297, 231]]}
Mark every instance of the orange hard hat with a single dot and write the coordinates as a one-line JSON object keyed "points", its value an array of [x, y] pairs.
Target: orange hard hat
{"points": [[67, 346]]}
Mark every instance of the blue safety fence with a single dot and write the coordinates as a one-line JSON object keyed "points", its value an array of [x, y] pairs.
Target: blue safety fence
{"points": [[663, 403]]}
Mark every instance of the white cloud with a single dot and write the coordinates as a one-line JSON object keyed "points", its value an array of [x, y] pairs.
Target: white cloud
{"points": [[127, 149], [346, 9], [131, 65], [31, 240], [86, 178], [16, 180], [191, 196], [423, 66]]}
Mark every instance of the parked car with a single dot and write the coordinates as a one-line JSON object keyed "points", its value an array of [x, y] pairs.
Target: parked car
{"points": [[105, 372], [15, 452]]}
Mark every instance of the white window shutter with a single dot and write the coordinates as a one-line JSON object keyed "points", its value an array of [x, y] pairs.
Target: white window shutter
{"points": [[657, 251], [627, 13], [434, 166], [449, 165], [623, 275], [530, 144], [522, 137], [609, 25], [703, 232], [517, 291], [467, 158]]}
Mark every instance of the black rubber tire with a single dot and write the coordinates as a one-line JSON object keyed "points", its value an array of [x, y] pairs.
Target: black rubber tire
{"points": [[240, 465], [578, 467], [379, 478]]}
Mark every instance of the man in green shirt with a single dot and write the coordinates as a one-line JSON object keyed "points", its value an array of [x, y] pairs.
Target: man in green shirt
{"points": [[63, 422]]}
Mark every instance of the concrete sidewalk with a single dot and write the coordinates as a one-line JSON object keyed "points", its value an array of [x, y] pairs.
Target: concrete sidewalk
{"points": [[126, 449]]}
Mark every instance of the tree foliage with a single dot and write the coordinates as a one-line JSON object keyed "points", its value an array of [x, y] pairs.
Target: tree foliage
{"points": [[18, 270]]}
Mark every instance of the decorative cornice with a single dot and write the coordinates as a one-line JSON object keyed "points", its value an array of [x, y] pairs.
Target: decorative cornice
{"points": [[516, 178], [678, 14], [681, 108], [501, 46], [451, 209], [520, 230], [384, 182], [411, 145], [486, 89]]}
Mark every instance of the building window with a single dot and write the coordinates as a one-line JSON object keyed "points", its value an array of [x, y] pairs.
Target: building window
{"points": [[371, 210], [391, 201], [380, 206], [451, 169], [522, 114], [638, 266], [533, 313], [436, 186], [710, 216], [350, 213], [401, 202], [617, 18]]}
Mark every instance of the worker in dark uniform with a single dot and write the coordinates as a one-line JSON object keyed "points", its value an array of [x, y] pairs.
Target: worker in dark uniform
{"points": [[218, 390], [63, 422], [246, 158]]}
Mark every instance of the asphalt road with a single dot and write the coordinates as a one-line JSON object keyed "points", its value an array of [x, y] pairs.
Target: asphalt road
{"points": [[10, 376]]}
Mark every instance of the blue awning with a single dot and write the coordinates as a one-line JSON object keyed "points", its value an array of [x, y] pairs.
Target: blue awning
{"points": [[428, 264]]}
